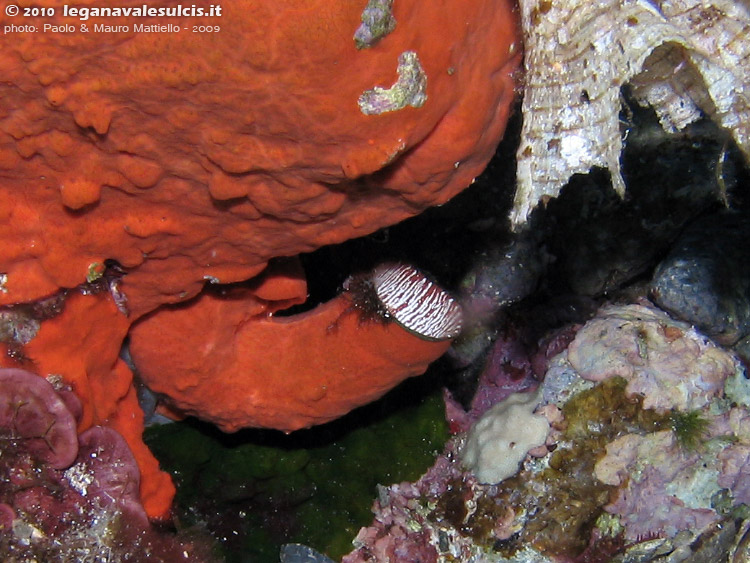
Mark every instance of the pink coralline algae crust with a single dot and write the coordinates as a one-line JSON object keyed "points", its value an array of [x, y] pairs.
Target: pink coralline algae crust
{"points": [[735, 471], [399, 542], [71, 498], [648, 500], [103, 452], [403, 529], [735, 458], [667, 362], [31, 410]]}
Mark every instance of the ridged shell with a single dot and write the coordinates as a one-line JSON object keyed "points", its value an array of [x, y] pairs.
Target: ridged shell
{"points": [[417, 303], [685, 58]]}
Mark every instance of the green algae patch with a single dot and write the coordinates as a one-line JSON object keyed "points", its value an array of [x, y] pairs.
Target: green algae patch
{"points": [[601, 414], [689, 428], [257, 490]]}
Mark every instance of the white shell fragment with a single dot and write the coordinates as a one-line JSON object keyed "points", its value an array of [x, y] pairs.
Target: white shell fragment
{"points": [[416, 303], [683, 57]]}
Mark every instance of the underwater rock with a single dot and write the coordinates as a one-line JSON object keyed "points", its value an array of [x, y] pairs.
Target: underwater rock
{"points": [[667, 469], [651, 352], [662, 488], [502, 275], [255, 490], [648, 457], [705, 279], [297, 553]]}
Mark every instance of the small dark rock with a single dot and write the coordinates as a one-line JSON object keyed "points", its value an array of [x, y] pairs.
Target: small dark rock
{"points": [[705, 279], [298, 553]]}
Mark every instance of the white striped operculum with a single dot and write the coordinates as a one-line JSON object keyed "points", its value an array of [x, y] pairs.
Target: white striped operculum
{"points": [[416, 303]]}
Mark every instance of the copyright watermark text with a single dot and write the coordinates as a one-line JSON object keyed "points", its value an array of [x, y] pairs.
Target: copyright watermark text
{"points": [[89, 15], [83, 13]]}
